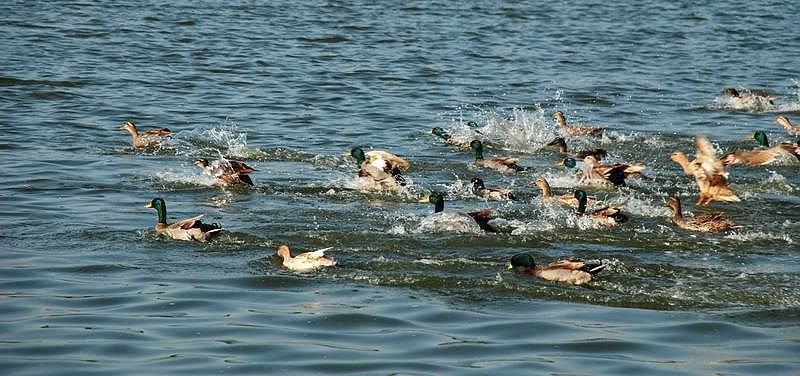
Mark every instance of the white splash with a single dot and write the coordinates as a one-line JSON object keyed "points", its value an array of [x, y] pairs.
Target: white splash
{"points": [[448, 222]]}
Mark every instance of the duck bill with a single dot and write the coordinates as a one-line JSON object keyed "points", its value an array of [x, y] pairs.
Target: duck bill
{"points": [[509, 266], [559, 163], [347, 154], [425, 200], [751, 136], [149, 205]]}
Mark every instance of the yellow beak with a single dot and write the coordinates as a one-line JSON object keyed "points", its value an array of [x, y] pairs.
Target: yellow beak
{"points": [[559, 163], [346, 154], [149, 205], [509, 266], [425, 200], [465, 146], [751, 136]]}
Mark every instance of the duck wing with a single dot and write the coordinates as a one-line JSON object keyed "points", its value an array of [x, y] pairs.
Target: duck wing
{"points": [[751, 158], [161, 132], [387, 161], [187, 223], [711, 175], [240, 167], [482, 218]]}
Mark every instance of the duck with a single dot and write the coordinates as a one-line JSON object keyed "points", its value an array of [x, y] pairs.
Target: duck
{"points": [[708, 172], [565, 199], [570, 271], [502, 164], [575, 130], [227, 171], [480, 217], [381, 169], [763, 156], [599, 154], [607, 217], [595, 173], [754, 97], [793, 130], [441, 133], [706, 222], [148, 138], [191, 229], [495, 194], [305, 262]]}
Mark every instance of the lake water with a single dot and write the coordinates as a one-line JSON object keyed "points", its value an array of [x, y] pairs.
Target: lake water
{"points": [[87, 287]]}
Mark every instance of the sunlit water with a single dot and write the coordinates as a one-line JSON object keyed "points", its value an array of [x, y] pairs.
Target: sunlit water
{"points": [[87, 287]]}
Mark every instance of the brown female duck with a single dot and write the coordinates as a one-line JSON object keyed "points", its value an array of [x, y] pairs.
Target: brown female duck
{"points": [[575, 130], [146, 138], [708, 172], [706, 222]]}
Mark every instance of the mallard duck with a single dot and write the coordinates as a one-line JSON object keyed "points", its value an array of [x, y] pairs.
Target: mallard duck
{"points": [[615, 173], [381, 169], [439, 132], [607, 217], [793, 130], [305, 262], [706, 222], [570, 271], [575, 130], [496, 194], [227, 171], [708, 172], [599, 154], [750, 95], [146, 138], [761, 157], [502, 164], [565, 199], [481, 217], [187, 229]]}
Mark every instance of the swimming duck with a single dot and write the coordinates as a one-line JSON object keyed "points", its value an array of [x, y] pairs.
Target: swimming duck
{"points": [[599, 154], [439, 132], [761, 157], [227, 171], [594, 172], [706, 222], [793, 130], [481, 217], [187, 229], [708, 172], [754, 96], [146, 138], [565, 199], [607, 217], [496, 194], [381, 169], [570, 271], [575, 130], [502, 164], [305, 262]]}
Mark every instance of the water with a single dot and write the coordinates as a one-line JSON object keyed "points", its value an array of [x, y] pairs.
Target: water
{"points": [[88, 288]]}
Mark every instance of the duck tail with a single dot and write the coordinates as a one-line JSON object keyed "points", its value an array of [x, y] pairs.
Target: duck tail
{"points": [[593, 268]]}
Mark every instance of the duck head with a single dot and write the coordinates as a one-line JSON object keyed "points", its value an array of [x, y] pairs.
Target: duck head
{"points": [[161, 208], [477, 148], [581, 196], [358, 154], [202, 163], [438, 131], [731, 92], [128, 126], [521, 260], [435, 198], [477, 183], [283, 252], [760, 137]]}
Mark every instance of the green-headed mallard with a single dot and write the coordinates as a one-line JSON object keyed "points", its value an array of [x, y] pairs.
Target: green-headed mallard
{"points": [[570, 271], [227, 171], [575, 130], [706, 222], [381, 169], [191, 229], [614, 173], [496, 194], [599, 154], [305, 262], [441, 133], [566, 199], [146, 138], [481, 217], [607, 217], [755, 97], [793, 130], [708, 172], [761, 157], [502, 164]]}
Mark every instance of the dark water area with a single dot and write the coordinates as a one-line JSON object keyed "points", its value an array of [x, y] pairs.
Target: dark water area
{"points": [[88, 287]]}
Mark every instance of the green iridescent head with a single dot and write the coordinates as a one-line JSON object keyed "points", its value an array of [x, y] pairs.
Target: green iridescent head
{"points": [[522, 260], [441, 133], [761, 138], [161, 208], [477, 148], [435, 198], [358, 154]]}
